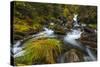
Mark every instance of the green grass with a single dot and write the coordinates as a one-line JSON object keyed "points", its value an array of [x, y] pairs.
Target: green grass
{"points": [[40, 51]]}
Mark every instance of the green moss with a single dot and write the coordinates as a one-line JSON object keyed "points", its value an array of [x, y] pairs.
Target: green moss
{"points": [[94, 26], [40, 51], [36, 26], [21, 28], [20, 25], [25, 27]]}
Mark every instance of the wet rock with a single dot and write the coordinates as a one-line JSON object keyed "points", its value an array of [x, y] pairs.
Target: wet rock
{"points": [[89, 30], [89, 38], [73, 55], [60, 30], [69, 25], [63, 20], [19, 33], [17, 37], [90, 44]]}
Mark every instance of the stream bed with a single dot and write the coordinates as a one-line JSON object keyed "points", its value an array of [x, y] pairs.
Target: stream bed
{"points": [[76, 52]]}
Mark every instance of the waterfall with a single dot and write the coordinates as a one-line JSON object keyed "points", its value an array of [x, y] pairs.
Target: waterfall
{"points": [[75, 21], [74, 34]]}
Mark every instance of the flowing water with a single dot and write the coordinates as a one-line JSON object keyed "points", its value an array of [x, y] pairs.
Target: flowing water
{"points": [[76, 34], [75, 20], [70, 38], [46, 33], [17, 49]]}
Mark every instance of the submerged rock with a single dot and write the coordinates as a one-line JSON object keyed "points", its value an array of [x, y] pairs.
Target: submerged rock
{"points": [[73, 55]]}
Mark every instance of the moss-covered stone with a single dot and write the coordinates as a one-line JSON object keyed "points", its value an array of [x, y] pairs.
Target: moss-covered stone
{"points": [[40, 51]]}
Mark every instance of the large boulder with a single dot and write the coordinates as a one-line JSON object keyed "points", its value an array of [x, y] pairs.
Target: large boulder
{"points": [[73, 55], [89, 38]]}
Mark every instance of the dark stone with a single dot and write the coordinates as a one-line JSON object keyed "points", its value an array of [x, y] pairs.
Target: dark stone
{"points": [[89, 38], [89, 44], [88, 30], [69, 25], [60, 30], [63, 20], [17, 37]]}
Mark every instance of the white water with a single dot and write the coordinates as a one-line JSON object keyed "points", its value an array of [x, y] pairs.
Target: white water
{"points": [[76, 34], [16, 47], [18, 50], [75, 19], [46, 33], [20, 53], [72, 36], [69, 38]]}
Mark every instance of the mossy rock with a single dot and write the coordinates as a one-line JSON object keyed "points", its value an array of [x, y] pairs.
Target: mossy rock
{"points": [[40, 51], [60, 30], [73, 55]]}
